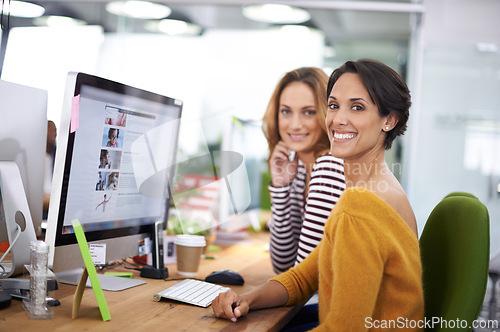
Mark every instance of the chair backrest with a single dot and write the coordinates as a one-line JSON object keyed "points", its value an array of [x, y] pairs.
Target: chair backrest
{"points": [[460, 193], [455, 250]]}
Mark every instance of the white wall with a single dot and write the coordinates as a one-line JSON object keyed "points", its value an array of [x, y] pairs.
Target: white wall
{"points": [[461, 22], [459, 92], [41, 57], [219, 75], [222, 74]]}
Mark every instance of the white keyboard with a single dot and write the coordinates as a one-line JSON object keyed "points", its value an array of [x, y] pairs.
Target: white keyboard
{"points": [[200, 293]]}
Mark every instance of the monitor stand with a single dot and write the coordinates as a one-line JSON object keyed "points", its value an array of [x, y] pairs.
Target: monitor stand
{"points": [[109, 283], [16, 225]]}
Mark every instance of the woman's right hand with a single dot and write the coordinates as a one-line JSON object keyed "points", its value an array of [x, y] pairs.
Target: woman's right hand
{"points": [[281, 168], [230, 306]]}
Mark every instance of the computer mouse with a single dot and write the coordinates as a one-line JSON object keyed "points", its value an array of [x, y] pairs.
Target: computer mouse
{"points": [[226, 277]]}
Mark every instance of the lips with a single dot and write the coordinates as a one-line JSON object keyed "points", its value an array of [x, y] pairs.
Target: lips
{"points": [[297, 137]]}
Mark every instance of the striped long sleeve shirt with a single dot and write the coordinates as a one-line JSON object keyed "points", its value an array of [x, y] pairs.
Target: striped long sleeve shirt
{"points": [[296, 228]]}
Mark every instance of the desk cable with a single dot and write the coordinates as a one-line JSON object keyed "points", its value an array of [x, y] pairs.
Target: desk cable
{"points": [[148, 271], [19, 231], [137, 268]]}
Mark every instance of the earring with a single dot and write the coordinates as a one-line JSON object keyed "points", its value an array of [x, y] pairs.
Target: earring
{"points": [[387, 128]]}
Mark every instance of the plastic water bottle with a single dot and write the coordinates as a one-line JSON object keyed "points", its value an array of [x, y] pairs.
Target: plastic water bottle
{"points": [[37, 305]]}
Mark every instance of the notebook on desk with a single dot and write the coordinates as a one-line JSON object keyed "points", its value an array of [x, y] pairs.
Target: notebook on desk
{"points": [[196, 292]]}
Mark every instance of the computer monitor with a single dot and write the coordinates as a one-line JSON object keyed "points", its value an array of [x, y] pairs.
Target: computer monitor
{"points": [[23, 135], [115, 158]]}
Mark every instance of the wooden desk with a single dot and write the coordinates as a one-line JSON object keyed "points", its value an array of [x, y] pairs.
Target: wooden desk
{"points": [[134, 309]]}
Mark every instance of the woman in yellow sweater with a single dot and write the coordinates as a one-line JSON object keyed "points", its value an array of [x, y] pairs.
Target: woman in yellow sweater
{"points": [[366, 268]]}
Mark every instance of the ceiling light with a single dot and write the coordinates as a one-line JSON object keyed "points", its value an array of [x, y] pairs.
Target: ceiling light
{"points": [[291, 28], [138, 9], [174, 27], [57, 21], [298, 28], [275, 13], [177, 24], [22, 9]]}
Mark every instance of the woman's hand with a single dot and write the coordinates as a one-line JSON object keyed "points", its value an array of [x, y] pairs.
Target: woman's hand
{"points": [[230, 306], [281, 168]]}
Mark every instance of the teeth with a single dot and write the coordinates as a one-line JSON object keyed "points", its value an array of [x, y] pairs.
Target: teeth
{"points": [[343, 136], [297, 137]]}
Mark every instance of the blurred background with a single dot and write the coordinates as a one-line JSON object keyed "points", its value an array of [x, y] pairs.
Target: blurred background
{"points": [[223, 59]]}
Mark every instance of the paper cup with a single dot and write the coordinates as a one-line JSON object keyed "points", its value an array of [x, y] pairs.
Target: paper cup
{"points": [[189, 249]]}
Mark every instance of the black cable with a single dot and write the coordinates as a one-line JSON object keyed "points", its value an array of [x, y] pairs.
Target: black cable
{"points": [[128, 268], [137, 268], [106, 266], [148, 271], [133, 264], [141, 261], [5, 28], [1, 14], [18, 228]]}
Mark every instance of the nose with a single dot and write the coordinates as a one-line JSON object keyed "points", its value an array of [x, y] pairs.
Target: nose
{"points": [[336, 118], [296, 122]]}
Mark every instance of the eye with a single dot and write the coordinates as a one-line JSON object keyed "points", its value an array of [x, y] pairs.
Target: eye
{"points": [[285, 111], [358, 107], [310, 112], [332, 106]]}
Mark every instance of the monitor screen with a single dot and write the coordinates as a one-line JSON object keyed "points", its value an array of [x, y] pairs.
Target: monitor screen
{"points": [[115, 157]]}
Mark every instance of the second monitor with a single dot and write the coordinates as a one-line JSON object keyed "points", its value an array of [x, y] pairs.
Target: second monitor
{"points": [[116, 153]]}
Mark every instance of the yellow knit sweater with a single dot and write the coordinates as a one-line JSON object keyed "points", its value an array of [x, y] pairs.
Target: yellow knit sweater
{"points": [[366, 269]]}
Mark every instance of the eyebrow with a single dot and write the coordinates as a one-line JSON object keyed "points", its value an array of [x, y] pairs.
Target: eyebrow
{"points": [[305, 107], [352, 99]]}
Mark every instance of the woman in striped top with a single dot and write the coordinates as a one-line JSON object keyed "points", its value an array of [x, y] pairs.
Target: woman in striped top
{"points": [[306, 179]]}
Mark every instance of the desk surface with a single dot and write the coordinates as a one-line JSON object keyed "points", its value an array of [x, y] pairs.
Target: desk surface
{"points": [[134, 309]]}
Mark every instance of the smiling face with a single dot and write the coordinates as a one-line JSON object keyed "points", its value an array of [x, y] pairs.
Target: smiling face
{"points": [[353, 122], [104, 158], [113, 135], [298, 122]]}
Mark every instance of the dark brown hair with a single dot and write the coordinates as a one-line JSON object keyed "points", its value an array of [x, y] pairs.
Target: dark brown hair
{"points": [[386, 88]]}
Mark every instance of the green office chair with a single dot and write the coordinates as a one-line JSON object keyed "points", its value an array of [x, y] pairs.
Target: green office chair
{"points": [[455, 246], [494, 274], [460, 193]]}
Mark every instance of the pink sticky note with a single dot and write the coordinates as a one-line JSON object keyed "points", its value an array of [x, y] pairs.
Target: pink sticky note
{"points": [[75, 114]]}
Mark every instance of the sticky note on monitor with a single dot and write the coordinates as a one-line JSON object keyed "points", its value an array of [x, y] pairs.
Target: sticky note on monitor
{"points": [[75, 114]]}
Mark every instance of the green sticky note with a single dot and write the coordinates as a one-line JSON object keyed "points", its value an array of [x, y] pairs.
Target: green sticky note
{"points": [[119, 274], [89, 265]]}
